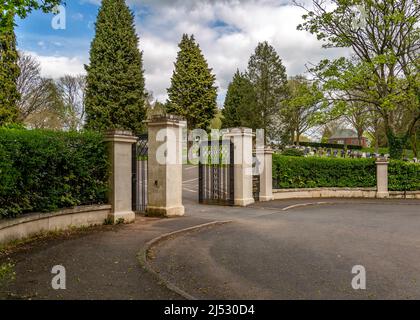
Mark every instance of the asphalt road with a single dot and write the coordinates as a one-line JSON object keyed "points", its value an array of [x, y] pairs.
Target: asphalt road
{"points": [[303, 252], [190, 184]]}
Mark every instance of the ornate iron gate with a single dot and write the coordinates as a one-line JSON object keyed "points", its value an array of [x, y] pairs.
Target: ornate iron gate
{"points": [[139, 169], [216, 172], [256, 187], [256, 178]]}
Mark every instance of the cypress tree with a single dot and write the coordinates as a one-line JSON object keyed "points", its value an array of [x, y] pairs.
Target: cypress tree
{"points": [[115, 93], [268, 76], [9, 70], [239, 102], [192, 93]]}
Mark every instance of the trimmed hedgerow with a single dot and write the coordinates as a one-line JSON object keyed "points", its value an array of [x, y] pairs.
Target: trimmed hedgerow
{"points": [[42, 171], [403, 176], [312, 172]]}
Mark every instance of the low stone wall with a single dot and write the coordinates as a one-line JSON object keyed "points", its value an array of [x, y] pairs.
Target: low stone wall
{"points": [[339, 193], [31, 224], [404, 195]]}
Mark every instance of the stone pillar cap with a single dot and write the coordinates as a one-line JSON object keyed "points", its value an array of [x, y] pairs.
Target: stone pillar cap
{"points": [[239, 131], [120, 136], [118, 132], [165, 118], [382, 160], [265, 149]]}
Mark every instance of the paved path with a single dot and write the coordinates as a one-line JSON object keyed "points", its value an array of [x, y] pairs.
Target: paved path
{"points": [[99, 265]]}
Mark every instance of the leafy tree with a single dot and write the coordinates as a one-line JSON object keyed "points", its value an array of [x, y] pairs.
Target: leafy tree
{"points": [[239, 103], [115, 94], [28, 85], [301, 106], [52, 113], [415, 143], [268, 77], [154, 107], [384, 37], [330, 127], [9, 70], [33, 89], [357, 115], [192, 93], [23, 7], [216, 123], [72, 92]]}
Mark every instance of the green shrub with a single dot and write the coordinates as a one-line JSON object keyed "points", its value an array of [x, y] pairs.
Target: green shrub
{"points": [[42, 171], [293, 153], [311, 172], [329, 145], [403, 176]]}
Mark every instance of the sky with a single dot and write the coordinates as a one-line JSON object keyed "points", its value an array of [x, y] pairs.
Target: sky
{"points": [[227, 31]]}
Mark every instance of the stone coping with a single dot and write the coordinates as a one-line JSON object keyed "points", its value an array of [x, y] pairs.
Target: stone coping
{"points": [[340, 193], [324, 189], [33, 223]]}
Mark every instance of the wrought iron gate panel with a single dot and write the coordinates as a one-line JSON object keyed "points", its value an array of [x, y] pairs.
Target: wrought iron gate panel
{"points": [[216, 173], [140, 171], [256, 178], [256, 187]]}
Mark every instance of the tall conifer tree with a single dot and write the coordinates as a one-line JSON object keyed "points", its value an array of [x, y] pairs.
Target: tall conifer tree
{"points": [[192, 93], [268, 76], [9, 70], [239, 104], [115, 93]]}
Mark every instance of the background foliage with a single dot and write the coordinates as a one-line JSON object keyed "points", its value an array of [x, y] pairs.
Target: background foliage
{"points": [[329, 145], [42, 171]]}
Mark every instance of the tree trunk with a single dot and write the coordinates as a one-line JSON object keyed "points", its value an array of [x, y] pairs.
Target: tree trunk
{"points": [[297, 138], [360, 136], [414, 144], [396, 144], [292, 137]]}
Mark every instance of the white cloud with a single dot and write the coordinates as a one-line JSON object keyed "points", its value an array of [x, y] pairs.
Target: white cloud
{"points": [[158, 64], [227, 30], [78, 16], [56, 67]]}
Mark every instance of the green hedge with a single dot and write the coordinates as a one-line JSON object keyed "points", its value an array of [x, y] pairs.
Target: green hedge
{"points": [[311, 172], [42, 171], [403, 176]]}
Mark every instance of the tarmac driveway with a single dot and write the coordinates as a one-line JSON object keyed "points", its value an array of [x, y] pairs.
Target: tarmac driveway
{"points": [[304, 252]]}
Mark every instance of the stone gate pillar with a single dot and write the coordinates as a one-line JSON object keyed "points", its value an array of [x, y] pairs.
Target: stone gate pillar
{"points": [[265, 158], [382, 178], [120, 180], [164, 182], [242, 141]]}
